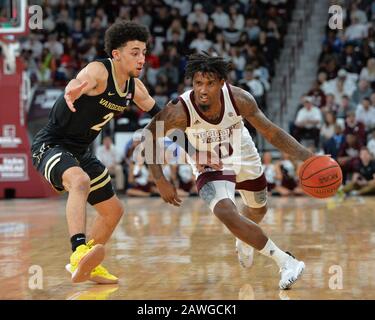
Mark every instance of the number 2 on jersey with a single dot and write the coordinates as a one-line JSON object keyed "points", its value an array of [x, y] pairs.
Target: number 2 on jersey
{"points": [[100, 125]]}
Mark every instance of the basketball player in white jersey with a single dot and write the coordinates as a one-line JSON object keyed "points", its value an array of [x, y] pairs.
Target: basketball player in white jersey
{"points": [[211, 115]]}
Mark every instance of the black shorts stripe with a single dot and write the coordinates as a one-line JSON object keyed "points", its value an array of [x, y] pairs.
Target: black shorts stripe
{"points": [[53, 161]]}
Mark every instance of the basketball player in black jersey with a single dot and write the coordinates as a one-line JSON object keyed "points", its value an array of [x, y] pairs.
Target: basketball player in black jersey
{"points": [[100, 91]]}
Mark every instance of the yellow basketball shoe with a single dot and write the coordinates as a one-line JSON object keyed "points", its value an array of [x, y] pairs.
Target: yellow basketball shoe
{"points": [[84, 260], [99, 274]]}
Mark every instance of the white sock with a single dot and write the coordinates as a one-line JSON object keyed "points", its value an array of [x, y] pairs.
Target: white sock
{"points": [[272, 251]]}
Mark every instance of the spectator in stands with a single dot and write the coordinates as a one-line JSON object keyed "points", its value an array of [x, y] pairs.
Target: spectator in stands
{"points": [[344, 84], [54, 46], [220, 18], [108, 155], [344, 108], [356, 12], [262, 71], [308, 122], [142, 17], [160, 96], [348, 155], [200, 43], [48, 19], [252, 29], [356, 31], [351, 59], [231, 34], [212, 30], [270, 38], [270, 173], [368, 72], [330, 104], [328, 128], [333, 145], [354, 127], [322, 77], [221, 47], [238, 18], [176, 28], [183, 6], [366, 48], [198, 16], [286, 174], [140, 181], [327, 55], [317, 95], [365, 113], [333, 41], [32, 43], [184, 179], [363, 91], [46, 67], [239, 61], [363, 179], [253, 84], [371, 144]]}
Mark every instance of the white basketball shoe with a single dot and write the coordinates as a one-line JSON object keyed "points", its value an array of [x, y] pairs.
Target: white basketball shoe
{"points": [[245, 253], [290, 272]]}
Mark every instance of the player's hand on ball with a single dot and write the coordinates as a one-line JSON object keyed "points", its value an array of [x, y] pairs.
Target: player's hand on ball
{"points": [[73, 94], [168, 192], [205, 159]]}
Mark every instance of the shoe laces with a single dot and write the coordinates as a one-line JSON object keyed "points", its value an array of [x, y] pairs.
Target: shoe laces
{"points": [[100, 269], [286, 264], [90, 244]]}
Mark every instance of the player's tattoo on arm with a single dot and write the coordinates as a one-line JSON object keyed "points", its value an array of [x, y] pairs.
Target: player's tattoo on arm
{"points": [[273, 133], [172, 116]]}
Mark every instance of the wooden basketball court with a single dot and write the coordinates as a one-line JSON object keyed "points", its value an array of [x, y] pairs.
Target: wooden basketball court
{"points": [[162, 252]]}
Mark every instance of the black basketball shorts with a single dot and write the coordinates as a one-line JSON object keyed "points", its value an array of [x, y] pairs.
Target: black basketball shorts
{"points": [[53, 161]]}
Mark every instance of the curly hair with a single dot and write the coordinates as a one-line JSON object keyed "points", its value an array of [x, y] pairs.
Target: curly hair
{"points": [[118, 34], [203, 62]]}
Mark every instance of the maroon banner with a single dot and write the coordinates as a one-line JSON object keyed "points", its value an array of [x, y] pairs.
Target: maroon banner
{"points": [[18, 178]]}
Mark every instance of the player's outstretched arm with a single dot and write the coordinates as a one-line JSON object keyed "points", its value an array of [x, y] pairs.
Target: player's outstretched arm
{"points": [[142, 97], [169, 118], [87, 79], [274, 134]]}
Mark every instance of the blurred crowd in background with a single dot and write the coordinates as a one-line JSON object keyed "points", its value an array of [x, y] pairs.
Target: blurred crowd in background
{"points": [[336, 116]]}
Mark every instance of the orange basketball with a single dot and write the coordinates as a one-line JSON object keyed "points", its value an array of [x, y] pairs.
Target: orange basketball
{"points": [[320, 176]]}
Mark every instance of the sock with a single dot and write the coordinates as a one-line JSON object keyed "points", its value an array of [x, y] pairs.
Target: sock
{"points": [[77, 240], [272, 251]]}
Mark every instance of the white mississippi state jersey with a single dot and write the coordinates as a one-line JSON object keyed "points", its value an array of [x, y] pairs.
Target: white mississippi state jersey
{"points": [[227, 137]]}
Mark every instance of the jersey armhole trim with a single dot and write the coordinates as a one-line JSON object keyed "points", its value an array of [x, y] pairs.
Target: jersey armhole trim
{"points": [[186, 111], [232, 99]]}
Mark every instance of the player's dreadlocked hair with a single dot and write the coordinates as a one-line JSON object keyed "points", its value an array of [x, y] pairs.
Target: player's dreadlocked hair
{"points": [[121, 32], [203, 62]]}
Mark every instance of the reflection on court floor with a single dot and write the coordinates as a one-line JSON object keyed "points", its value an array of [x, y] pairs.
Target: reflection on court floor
{"points": [[162, 252]]}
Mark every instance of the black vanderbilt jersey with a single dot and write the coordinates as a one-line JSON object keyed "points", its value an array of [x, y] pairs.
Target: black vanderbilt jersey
{"points": [[77, 130]]}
